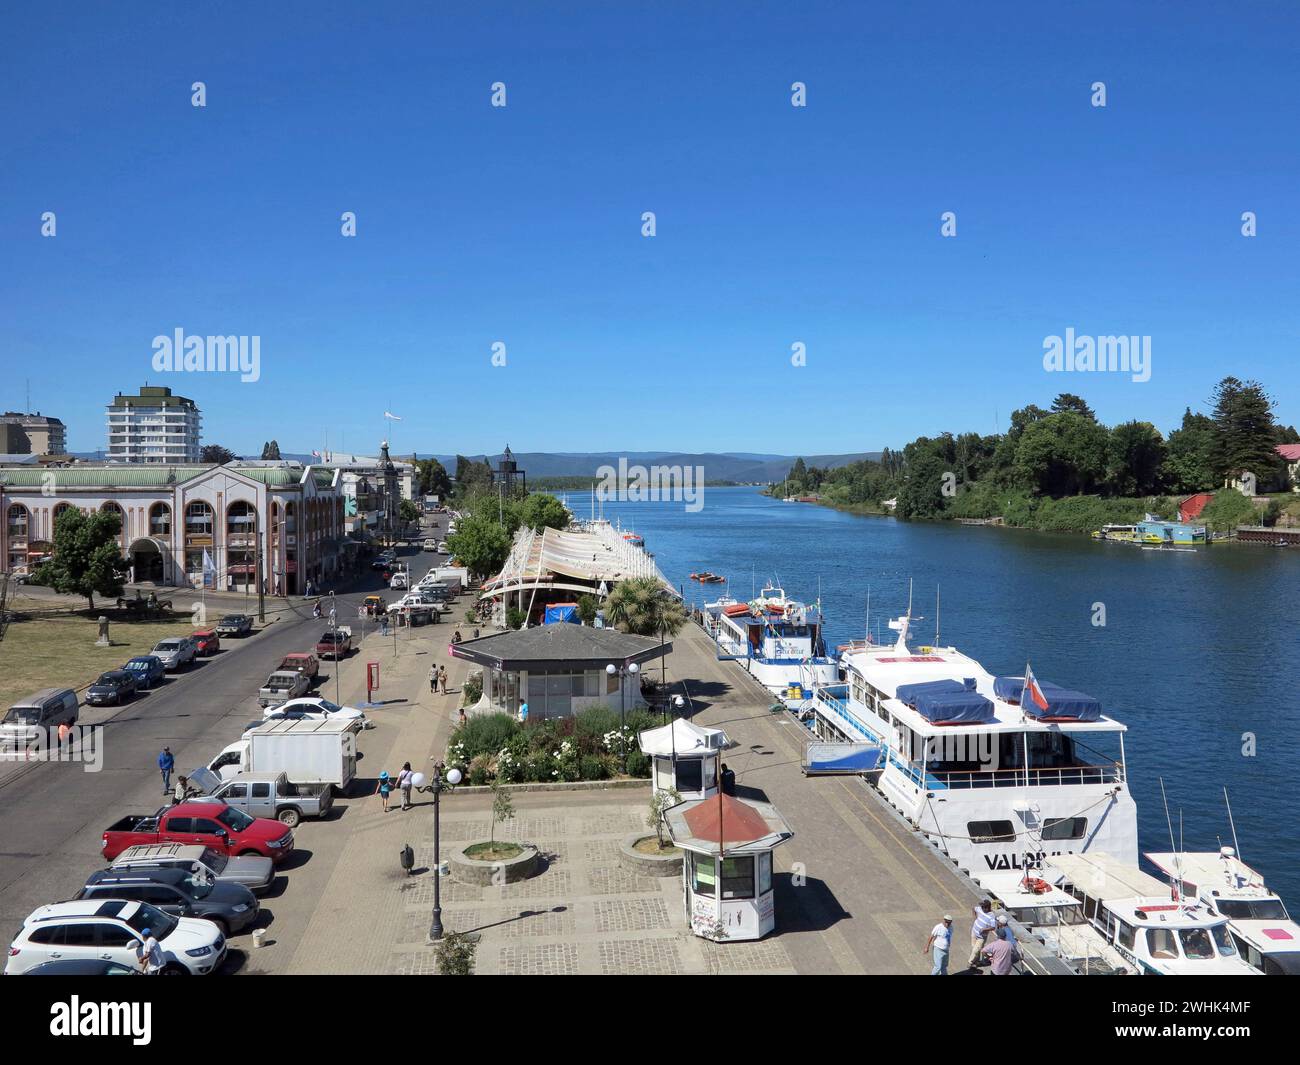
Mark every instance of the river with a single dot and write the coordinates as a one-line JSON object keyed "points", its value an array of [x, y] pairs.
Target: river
{"points": [[1199, 653]]}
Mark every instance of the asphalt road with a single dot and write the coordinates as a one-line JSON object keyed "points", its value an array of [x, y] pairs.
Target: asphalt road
{"points": [[53, 814]]}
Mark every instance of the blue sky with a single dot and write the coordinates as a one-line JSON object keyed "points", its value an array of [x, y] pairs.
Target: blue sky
{"points": [[522, 224]]}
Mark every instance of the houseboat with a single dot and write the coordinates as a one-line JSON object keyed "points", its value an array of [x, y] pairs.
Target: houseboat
{"points": [[1262, 930], [997, 783], [776, 639]]}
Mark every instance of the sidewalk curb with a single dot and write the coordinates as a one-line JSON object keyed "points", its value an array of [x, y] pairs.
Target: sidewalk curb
{"points": [[565, 785]]}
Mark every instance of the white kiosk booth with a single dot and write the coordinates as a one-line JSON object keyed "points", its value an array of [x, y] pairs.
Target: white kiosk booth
{"points": [[685, 757], [727, 871]]}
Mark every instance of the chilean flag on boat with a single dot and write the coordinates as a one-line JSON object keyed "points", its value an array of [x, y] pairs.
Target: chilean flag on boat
{"points": [[1033, 690]]}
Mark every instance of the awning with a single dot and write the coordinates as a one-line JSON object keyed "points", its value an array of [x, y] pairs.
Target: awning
{"points": [[682, 737]]}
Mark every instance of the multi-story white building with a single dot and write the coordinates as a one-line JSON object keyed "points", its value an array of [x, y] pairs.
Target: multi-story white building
{"points": [[281, 520], [154, 426]]}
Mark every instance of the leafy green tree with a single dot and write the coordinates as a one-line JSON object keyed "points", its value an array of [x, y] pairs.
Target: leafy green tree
{"points": [[87, 556], [471, 476], [1247, 435], [661, 801], [1062, 454], [434, 479], [216, 455], [644, 607], [479, 544], [587, 607], [1136, 459], [1067, 401], [408, 511], [921, 493], [503, 808], [271, 450], [1228, 509], [541, 511], [1191, 463]]}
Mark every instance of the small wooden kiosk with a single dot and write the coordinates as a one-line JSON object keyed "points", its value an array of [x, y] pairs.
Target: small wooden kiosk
{"points": [[685, 757], [727, 874]]}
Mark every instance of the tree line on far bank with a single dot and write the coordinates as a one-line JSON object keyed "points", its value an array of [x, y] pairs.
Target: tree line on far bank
{"points": [[1062, 468]]}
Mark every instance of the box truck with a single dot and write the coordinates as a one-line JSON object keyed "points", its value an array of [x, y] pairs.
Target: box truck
{"points": [[307, 752]]}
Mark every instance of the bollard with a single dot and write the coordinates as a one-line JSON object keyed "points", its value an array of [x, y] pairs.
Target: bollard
{"points": [[259, 934]]}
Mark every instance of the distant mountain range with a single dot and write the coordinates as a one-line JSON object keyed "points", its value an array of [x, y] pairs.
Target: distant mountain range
{"points": [[739, 466]]}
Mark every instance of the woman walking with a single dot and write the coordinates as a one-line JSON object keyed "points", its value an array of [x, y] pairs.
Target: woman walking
{"points": [[442, 678], [384, 789]]}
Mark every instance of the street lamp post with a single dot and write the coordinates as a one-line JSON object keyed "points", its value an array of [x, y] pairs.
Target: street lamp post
{"points": [[452, 779], [631, 669]]}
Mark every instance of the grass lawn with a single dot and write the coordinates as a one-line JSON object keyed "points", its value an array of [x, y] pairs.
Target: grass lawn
{"points": [[59, 651], [493, 852]]}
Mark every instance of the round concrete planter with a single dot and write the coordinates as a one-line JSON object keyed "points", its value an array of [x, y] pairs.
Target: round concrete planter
{"points": [[648, 864], [483, 874]]}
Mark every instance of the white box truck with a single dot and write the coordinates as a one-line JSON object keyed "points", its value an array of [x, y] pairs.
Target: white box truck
{"points": [[307, 752]]}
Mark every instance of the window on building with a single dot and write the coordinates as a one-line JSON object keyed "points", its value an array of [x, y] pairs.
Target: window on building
{"points": [[738, 877], [17, 520], [160, 520], [198, 520], [703, 877], [1065, 828], [765, 872]]}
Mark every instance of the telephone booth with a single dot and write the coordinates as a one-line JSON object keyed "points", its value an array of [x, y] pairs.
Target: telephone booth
{"points": [[727, 871], [685, 757]]}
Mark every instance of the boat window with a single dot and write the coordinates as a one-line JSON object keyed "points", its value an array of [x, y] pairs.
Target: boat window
{"points": [[1196, 943], [1253, 909], [990, 831], [703, 881], [1126, 935], [1161, 944], [1065, 828], [1224, 940], [1089, 907], [1050, 750]]}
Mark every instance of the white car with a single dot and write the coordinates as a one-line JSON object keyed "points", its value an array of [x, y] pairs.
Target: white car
{"points": [[399, 581], [112, 930], [442, 547], [314, 708]]}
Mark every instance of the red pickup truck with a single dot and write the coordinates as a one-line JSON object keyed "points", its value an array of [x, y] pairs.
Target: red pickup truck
{"points": [[206, 823], [334, 643]]}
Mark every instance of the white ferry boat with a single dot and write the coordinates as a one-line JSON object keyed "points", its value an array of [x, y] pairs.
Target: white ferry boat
{"points": [[995, 784], [778, 641], [1261, 928], [1142, 920]]}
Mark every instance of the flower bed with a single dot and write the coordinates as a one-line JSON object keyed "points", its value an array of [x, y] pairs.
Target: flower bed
{"points": [[591, 745]]}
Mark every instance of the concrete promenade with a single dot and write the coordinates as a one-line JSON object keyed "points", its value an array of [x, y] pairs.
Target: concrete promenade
{"points": [[856, 893]]}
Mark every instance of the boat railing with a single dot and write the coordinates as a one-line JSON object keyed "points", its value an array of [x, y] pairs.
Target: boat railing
{"points": [[968, 779]]}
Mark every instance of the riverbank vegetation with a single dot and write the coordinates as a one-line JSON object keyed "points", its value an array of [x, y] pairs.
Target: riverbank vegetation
{"points": [[1062, 469], [489, 518]]}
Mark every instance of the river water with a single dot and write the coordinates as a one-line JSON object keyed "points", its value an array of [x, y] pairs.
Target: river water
{"points": [[1199, 653]]}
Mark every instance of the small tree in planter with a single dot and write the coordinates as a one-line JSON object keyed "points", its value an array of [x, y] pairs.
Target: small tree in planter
{"points": [[455, 955], [661, 802], [503, 807]]}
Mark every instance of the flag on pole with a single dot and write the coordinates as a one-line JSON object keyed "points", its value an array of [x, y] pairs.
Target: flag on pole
{"points": [[209, 571], [391, 416], [1033, 690]]}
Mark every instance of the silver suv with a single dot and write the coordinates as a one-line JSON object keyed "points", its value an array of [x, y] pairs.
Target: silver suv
{"points": [[176, 652]]}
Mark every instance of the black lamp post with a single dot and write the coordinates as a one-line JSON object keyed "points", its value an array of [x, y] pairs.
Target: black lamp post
{"points": [[453, 778], [631, 669]]}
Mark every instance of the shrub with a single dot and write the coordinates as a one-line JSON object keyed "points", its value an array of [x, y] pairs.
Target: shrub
{"points": [[455, 955], [1228, 509], [472, 691], [479, 767], [591, 724], [593, 767], [485, 734], [515, 618], [638, 765]]}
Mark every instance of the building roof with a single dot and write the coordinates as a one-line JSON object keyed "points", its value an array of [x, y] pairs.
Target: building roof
{"points": [[547, 646], [153, 396], [682, 737], [152, 475], [740, 825], [1290, 452]]}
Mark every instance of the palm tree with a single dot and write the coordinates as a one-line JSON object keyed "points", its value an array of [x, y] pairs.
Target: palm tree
{"points": [[645, 607]]}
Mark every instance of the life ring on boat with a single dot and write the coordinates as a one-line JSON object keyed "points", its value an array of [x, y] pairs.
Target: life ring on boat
{"points": [[1036, 886]]}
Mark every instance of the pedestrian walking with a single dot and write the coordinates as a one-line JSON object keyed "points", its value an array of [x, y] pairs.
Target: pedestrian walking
{"points": [[149, 953], [940, 942], [442, 678], [166, 763], [984, 923], [383, 624], [433, 680], [65, 730], [404, 784], [461, 718], [384, 789]]}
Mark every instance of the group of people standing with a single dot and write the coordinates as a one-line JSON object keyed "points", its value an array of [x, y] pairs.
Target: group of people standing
{"points": [[1001, 952]]}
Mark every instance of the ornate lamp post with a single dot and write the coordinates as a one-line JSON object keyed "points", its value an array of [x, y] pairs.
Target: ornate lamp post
{"points": [[630, 670], [439, 785]]}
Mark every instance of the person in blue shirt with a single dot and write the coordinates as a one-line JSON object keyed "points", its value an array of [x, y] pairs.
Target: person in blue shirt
{"points": [[1004, 931], [385, 788], [166, 763], [523, 713]]}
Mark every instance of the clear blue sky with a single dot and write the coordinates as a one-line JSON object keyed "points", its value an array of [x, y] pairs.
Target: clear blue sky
{"points": [[522, 225]]}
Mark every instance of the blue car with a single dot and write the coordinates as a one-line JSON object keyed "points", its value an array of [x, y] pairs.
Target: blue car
{"points": [[147, 669]]}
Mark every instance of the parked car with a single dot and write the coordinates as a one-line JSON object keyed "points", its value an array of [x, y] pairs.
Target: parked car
{"points": [[113, 930], [335, 643], [442, 547], [112, 688], [399, 581], [251, 870], [210, 824], [235, 625], [148, 670], [303, 662], [318, 709], [180, 892], [430, 545], [43, 710], [206, 642], [282, 685], [83, 967], [268, 795], [175, 653], [374, 605]]}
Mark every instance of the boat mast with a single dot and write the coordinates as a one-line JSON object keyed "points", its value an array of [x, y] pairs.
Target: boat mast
{"points": [[936, 615], [1236, 850]]}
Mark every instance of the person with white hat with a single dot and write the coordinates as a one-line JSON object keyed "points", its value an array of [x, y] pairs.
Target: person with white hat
{"points": [[941, 940], [1004, 929]]}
